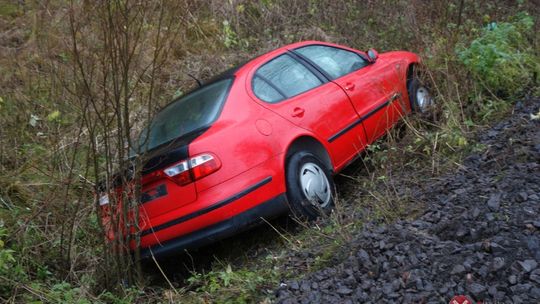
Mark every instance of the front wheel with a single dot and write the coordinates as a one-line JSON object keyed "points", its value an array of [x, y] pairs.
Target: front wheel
{"points": [[419, 95], [310, 188]]}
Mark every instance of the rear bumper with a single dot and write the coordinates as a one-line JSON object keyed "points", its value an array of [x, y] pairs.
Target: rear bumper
{"points": [[213, 206], [242, 221]]}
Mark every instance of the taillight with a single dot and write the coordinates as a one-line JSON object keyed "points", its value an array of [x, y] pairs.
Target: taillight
{"points": [[179, 173], [204, 165], [104, 204], [193, 169], [104, 199]]}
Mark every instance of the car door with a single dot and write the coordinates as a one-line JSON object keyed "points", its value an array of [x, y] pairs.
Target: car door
{"points": [[303, 96], [367, 84]]}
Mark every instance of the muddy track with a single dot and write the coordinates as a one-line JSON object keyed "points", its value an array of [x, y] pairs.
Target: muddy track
{"points": [[479, 235]]}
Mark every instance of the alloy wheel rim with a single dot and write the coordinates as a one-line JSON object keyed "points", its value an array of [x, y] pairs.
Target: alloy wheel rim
{"points": [[315, 185], [423, 98]]}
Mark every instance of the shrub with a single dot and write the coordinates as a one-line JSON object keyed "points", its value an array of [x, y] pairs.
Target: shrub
{"points": [[503, 58], [10, 270]]}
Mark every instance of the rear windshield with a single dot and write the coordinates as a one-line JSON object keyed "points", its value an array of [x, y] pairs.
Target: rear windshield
{"points": [[192, 112]]}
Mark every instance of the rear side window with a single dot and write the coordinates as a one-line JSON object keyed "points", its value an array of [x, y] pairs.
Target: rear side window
{"points": [[189, 113], [282, 78], [265, 91], [335, 62]]}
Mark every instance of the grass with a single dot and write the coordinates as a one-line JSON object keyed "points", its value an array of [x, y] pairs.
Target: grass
{"points": [[9, 10]]}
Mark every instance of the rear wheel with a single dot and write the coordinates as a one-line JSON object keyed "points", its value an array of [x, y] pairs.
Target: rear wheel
{"points": [[310, 188]]}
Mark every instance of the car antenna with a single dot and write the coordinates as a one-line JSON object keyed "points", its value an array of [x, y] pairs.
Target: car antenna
{"points": [[196, 79]]}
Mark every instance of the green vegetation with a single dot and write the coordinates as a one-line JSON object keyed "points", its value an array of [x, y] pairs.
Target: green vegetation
{"points": [[228, 286], [479, 58], [503, 58]]}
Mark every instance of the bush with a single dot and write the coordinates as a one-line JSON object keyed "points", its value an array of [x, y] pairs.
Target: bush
{"points": [[228, 286], [502, 58]]}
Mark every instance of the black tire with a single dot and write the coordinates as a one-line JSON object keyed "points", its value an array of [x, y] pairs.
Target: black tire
{"points": [[415, 86], [300, 204]]}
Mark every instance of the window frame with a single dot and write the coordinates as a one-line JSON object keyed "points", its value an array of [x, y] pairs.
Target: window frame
{"points": [[321, 76], [320, 69]]}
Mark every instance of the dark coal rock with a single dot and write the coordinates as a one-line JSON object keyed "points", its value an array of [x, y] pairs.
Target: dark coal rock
{"points": [[528, 265], [477, 290], [535, 276], [494, 202], [479, 235], [458, 269], [498, 263]]}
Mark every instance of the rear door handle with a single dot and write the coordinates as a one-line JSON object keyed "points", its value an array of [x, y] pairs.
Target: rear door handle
{"points": [[298, 112], [349, 86]]}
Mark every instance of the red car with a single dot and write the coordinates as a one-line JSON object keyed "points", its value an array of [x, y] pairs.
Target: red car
{"points": [[266, 138]]}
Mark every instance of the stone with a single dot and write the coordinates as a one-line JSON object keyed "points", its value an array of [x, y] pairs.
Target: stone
{"points": [[366, 284], [443, 290], [363, 256], [498, 263], [535, 276], [492, 290], [535, 293], [496, 248], [344, 291], [521, 288], [528, 265], [475, 212], [387, 288], [305, 286], [477, 290], [457, 269], [516, 299], [523, 196], [482, 271], [428, 286], [494, 202]]}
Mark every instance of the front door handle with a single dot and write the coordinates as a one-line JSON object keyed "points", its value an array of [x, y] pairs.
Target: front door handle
{"points": [[298, 112], [349, 86]]}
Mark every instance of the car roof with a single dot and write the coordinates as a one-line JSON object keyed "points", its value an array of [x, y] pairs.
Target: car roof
{"points": [[233, 71], [275, 52]]}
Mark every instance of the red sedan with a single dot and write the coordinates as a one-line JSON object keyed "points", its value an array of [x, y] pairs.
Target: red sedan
{"points": [[266, 138]]}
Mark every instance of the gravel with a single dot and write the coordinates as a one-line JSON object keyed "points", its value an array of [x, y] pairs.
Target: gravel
{"points": [[479, 235]]}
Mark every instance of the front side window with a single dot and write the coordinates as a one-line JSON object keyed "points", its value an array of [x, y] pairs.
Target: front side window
{"points": [[335, 62], [189, 113], [282, 78]]}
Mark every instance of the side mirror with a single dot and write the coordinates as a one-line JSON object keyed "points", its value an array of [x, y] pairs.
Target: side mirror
{"points": [[372, 55]]}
